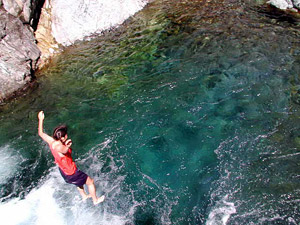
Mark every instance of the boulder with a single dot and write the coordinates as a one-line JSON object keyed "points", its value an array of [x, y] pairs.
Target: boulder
{"points": [[59, 23], [296, 4], [76, 19], [293, 5], [281, 4], [27, 10], [19, 54], [64, 22]]}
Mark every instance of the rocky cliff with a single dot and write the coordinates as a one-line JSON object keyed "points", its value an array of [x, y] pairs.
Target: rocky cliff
{"points": [[18, 55], [32, 31], [293, 5], [63, 22]]}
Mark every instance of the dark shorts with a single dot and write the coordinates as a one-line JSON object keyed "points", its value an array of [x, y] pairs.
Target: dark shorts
{"points": [[78, 178]]}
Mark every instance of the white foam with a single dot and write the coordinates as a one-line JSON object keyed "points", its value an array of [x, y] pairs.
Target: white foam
{"points": [[55, 202], [10, 162], [221, 213], [39, 207]]}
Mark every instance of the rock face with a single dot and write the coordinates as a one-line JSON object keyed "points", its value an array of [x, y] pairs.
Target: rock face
{"points": [[285, 4], [74, 20], [59, 23], [63, 22], [46, 42], [18, 54], [297, 4], [27, 10]]}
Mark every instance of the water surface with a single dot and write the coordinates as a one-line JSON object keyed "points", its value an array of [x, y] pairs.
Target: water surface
{"points": [[186, 114]]}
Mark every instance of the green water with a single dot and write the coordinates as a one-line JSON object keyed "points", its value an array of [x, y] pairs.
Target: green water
{"points": [[186, 114]]}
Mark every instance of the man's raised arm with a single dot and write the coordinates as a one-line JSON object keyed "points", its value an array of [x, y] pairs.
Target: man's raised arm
{"points": [[43, 135]]}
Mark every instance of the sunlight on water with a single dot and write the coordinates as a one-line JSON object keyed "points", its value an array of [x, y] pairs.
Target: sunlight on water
{"points": [[221, 213], [55, 202], [10, 161], [180, 116]]}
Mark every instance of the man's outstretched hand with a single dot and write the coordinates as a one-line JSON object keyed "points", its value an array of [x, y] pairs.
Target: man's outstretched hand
{"points": [[41, 115]]}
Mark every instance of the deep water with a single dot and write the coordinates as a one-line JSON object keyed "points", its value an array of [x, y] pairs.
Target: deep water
{"points": [[188, 113]]}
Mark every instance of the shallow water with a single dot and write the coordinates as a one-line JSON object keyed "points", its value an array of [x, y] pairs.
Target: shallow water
{"points": [[186, 114]]}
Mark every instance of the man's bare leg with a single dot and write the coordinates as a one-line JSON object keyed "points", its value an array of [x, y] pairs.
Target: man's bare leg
{"points": [[92, 191], [83, 194]]}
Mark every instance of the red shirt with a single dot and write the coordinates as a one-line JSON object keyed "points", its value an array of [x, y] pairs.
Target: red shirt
{"points": [[65, 163]]}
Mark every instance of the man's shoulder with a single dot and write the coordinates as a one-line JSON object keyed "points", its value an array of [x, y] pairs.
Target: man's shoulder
{"points": [[55, 144]]}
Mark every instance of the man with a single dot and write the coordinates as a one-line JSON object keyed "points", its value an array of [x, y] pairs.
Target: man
{"points": [[60, 147]]}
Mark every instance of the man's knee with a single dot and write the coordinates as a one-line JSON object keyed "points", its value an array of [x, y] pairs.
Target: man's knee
{"points": [[89, 181]]}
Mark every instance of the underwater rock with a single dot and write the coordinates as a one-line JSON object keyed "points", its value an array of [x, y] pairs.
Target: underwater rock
{"points": [[19, 54]]}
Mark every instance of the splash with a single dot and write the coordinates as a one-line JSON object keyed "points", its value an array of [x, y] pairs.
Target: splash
{"points": [[10, 162], [221, 212]]}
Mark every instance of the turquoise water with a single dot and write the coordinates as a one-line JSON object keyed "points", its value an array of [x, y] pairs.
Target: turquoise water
{"points": [[186, 114]]}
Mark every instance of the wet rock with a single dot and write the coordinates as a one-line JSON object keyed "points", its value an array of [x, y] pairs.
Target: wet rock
{"points": [[18, 54]]}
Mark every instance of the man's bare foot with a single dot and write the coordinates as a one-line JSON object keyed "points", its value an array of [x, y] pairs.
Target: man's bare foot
{"points": [[99, 200], [86, 197]]}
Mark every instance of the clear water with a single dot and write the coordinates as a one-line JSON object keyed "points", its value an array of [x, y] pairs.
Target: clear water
{"points": [[186, 114]]}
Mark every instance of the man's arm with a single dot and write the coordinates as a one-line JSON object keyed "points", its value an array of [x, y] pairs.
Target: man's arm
{"points": [[43, 135]]}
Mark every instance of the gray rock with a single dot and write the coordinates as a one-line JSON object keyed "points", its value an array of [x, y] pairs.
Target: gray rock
{"points": [[27, 10], [13, 7], [296, 4], [68, 21], [281, 4], [18, 54], [76, 19]]}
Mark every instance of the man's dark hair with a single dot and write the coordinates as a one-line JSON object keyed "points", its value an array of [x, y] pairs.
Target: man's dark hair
{"points": [[60, 132]]}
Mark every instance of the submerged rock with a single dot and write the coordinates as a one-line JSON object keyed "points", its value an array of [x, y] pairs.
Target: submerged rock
{"points": [[19, 54]]}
